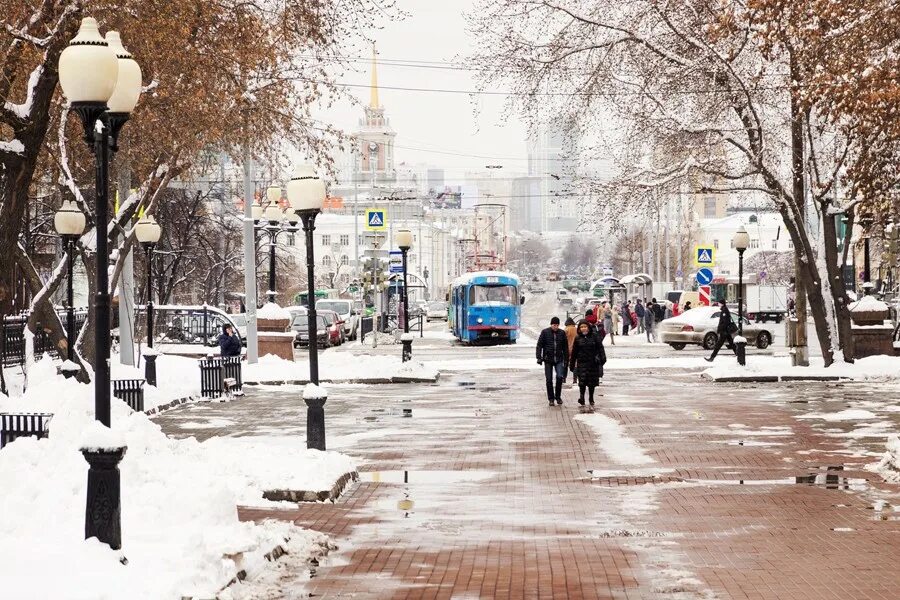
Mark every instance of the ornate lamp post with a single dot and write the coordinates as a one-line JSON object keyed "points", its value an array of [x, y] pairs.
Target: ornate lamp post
{"points": [[147, 231], [404, 239], [102, 83], [306, 193], [69, 224], [272, 221], [741, 242]]}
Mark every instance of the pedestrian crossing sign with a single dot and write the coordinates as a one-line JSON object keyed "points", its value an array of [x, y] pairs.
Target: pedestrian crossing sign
{"points": [[704, 256], [375, 220]]}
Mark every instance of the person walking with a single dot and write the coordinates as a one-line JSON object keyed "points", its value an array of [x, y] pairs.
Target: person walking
{"points": [[229, 343], [587, 360], [614, 319], [591, 318], [659, 313], [724, 332], [648, 319], [687, 307], [640, 311], [553, 353], [626, 317], [571, 333]]}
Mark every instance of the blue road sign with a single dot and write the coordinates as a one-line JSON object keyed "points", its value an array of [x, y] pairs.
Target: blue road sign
{"points": [[375, 220], [704, 276], [396, 262]]}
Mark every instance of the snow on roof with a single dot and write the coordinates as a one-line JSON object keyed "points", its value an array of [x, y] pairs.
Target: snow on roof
{"points": [[467, 277], [868, 304]]}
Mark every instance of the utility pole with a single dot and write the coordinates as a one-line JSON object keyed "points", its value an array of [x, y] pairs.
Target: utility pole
{"points": [[667, 247], [249, 261], [126, 281]]}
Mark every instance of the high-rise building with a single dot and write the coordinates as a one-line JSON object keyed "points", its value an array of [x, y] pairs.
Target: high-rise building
{"points": [[550, 154]]}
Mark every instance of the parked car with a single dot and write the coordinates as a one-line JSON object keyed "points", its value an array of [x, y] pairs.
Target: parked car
{"points": [[698, 326], [300, 326], [436, 310], [335, 326], [346, 310]]}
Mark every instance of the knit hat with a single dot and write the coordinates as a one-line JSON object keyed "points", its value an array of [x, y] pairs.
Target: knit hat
{"points": [[570, 321], [554, 321]]}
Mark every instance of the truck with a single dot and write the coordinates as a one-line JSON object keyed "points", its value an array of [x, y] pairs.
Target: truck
{"points": [[766, 302]]}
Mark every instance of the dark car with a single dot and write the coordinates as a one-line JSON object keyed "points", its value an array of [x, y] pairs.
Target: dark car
{"points": [[300, 326]]}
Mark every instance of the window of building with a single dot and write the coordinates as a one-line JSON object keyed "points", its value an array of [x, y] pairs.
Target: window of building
{"points": [[754, 243], [345, 239], [292, 239], [709, 207], [774, 244], [345, 260], [361, 240], [791, 244], [326, 261], [326, 240], [716, 244]]}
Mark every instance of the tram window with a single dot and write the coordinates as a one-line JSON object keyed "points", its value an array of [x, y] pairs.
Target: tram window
{"points": [[479, 294]]}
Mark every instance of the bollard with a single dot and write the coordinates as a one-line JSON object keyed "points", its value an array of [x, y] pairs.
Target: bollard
{"points": [[150, 368], [406, 339], [315, 398], [102, 517], [740, 349]]}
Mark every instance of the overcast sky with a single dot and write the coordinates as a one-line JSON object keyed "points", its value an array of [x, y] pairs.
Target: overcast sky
{"points": [[438, 128]]}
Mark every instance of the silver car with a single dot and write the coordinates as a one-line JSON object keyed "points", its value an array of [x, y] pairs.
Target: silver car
{"points": [[698, 326]]}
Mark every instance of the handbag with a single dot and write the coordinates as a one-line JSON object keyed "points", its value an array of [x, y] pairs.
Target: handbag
{"points": [[732, 328]]}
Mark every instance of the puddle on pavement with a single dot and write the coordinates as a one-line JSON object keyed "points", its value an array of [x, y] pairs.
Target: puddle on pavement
{"points": [[424, 477]]}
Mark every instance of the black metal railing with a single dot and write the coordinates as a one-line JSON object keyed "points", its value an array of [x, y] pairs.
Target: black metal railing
{"points": [[131, 391], [14, 426], [12, 331]]}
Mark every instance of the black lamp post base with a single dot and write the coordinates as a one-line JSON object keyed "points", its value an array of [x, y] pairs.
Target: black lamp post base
{"points": [[150, 369], [103, 512], [315, 423], [740, 349], [407, 350]]}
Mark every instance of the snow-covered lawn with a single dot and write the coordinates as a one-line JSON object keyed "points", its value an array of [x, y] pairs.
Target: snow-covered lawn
{"points": [[872, 367], [338, 367], [180, 530]]}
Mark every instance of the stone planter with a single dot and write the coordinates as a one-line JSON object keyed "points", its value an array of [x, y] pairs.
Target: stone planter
{"points": [[872, 332]]}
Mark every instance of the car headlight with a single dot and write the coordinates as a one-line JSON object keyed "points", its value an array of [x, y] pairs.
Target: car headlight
{"points": [[479, 320], [506, 321]]}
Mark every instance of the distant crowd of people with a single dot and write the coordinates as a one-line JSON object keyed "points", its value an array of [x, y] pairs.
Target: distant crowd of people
{"points": [[641, 316]]}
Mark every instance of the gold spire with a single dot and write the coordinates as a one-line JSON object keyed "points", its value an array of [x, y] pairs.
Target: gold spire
{"points": [[373, 98]]}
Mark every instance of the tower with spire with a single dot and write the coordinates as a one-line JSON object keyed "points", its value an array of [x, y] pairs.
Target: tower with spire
{"points": [[375, 158]]}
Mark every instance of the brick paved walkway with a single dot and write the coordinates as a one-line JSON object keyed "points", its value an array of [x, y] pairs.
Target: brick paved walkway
{"points": [[743, 501]]}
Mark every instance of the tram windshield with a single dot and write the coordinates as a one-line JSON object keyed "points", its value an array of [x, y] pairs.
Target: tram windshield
{"points": [[486, 294]]}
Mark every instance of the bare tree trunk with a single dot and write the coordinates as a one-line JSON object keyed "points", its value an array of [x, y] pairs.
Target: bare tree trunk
{"points": [[834, 267]]}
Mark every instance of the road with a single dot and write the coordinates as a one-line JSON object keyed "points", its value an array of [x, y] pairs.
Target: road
{"points": [[675, 488]]}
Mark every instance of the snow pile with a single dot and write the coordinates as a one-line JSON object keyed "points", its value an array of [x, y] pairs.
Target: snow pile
{"points": [[889, 465], [614, 441], [180, 529], [336, 367], [868, 304], [272, 312], [177, 378], [850, 414], [871, 367]]}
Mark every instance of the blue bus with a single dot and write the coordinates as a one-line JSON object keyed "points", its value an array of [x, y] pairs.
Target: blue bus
{"points": [[486, 307]]}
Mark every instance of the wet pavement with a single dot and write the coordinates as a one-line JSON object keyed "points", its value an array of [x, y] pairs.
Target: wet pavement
{"points": [[474, 488]]}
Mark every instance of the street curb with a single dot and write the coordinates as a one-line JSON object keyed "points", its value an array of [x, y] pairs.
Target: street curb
{"points": [[375, 381], [307, 496], [164, 407], [773, 378]]}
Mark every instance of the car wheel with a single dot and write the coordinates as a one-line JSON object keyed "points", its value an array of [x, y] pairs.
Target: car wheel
{"points": [[763, 340], [677, 345], [709, 340]]}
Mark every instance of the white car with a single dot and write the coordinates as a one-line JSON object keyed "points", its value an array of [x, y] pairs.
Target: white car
{"points": [[698, 326], [345, 309], [436, 310]]}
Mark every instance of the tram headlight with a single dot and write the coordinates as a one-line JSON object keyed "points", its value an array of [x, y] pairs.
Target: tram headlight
{"points": [[479, 320], [506, 321]]}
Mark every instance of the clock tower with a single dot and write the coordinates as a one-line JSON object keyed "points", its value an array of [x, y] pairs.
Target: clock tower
{"points": [[375, 158]]}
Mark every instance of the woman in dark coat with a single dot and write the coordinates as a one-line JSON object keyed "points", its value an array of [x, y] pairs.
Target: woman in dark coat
{"points": [[586, 360]]}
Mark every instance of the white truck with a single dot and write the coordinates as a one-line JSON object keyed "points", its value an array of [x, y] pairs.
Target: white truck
{"points": [[766, 303]]}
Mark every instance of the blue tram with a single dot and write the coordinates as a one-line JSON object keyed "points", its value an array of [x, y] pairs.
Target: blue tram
{"points": [[486, 307]]}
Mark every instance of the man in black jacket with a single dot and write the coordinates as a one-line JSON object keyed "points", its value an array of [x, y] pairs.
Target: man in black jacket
{"points": [[724, 332], [553, 353], [229, 343]]}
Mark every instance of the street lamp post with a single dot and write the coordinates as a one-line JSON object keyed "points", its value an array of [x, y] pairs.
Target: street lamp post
{"points": [[147, 231], [306, 194], [404, 241], [69, 224], [102, 83], [741, 243], [272, 221]]}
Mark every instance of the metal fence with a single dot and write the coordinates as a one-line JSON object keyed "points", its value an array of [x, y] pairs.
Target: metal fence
{"points": [[13, 338]]}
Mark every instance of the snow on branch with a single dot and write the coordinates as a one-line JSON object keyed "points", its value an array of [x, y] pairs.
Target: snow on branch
{"points": [[23, 111]]}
